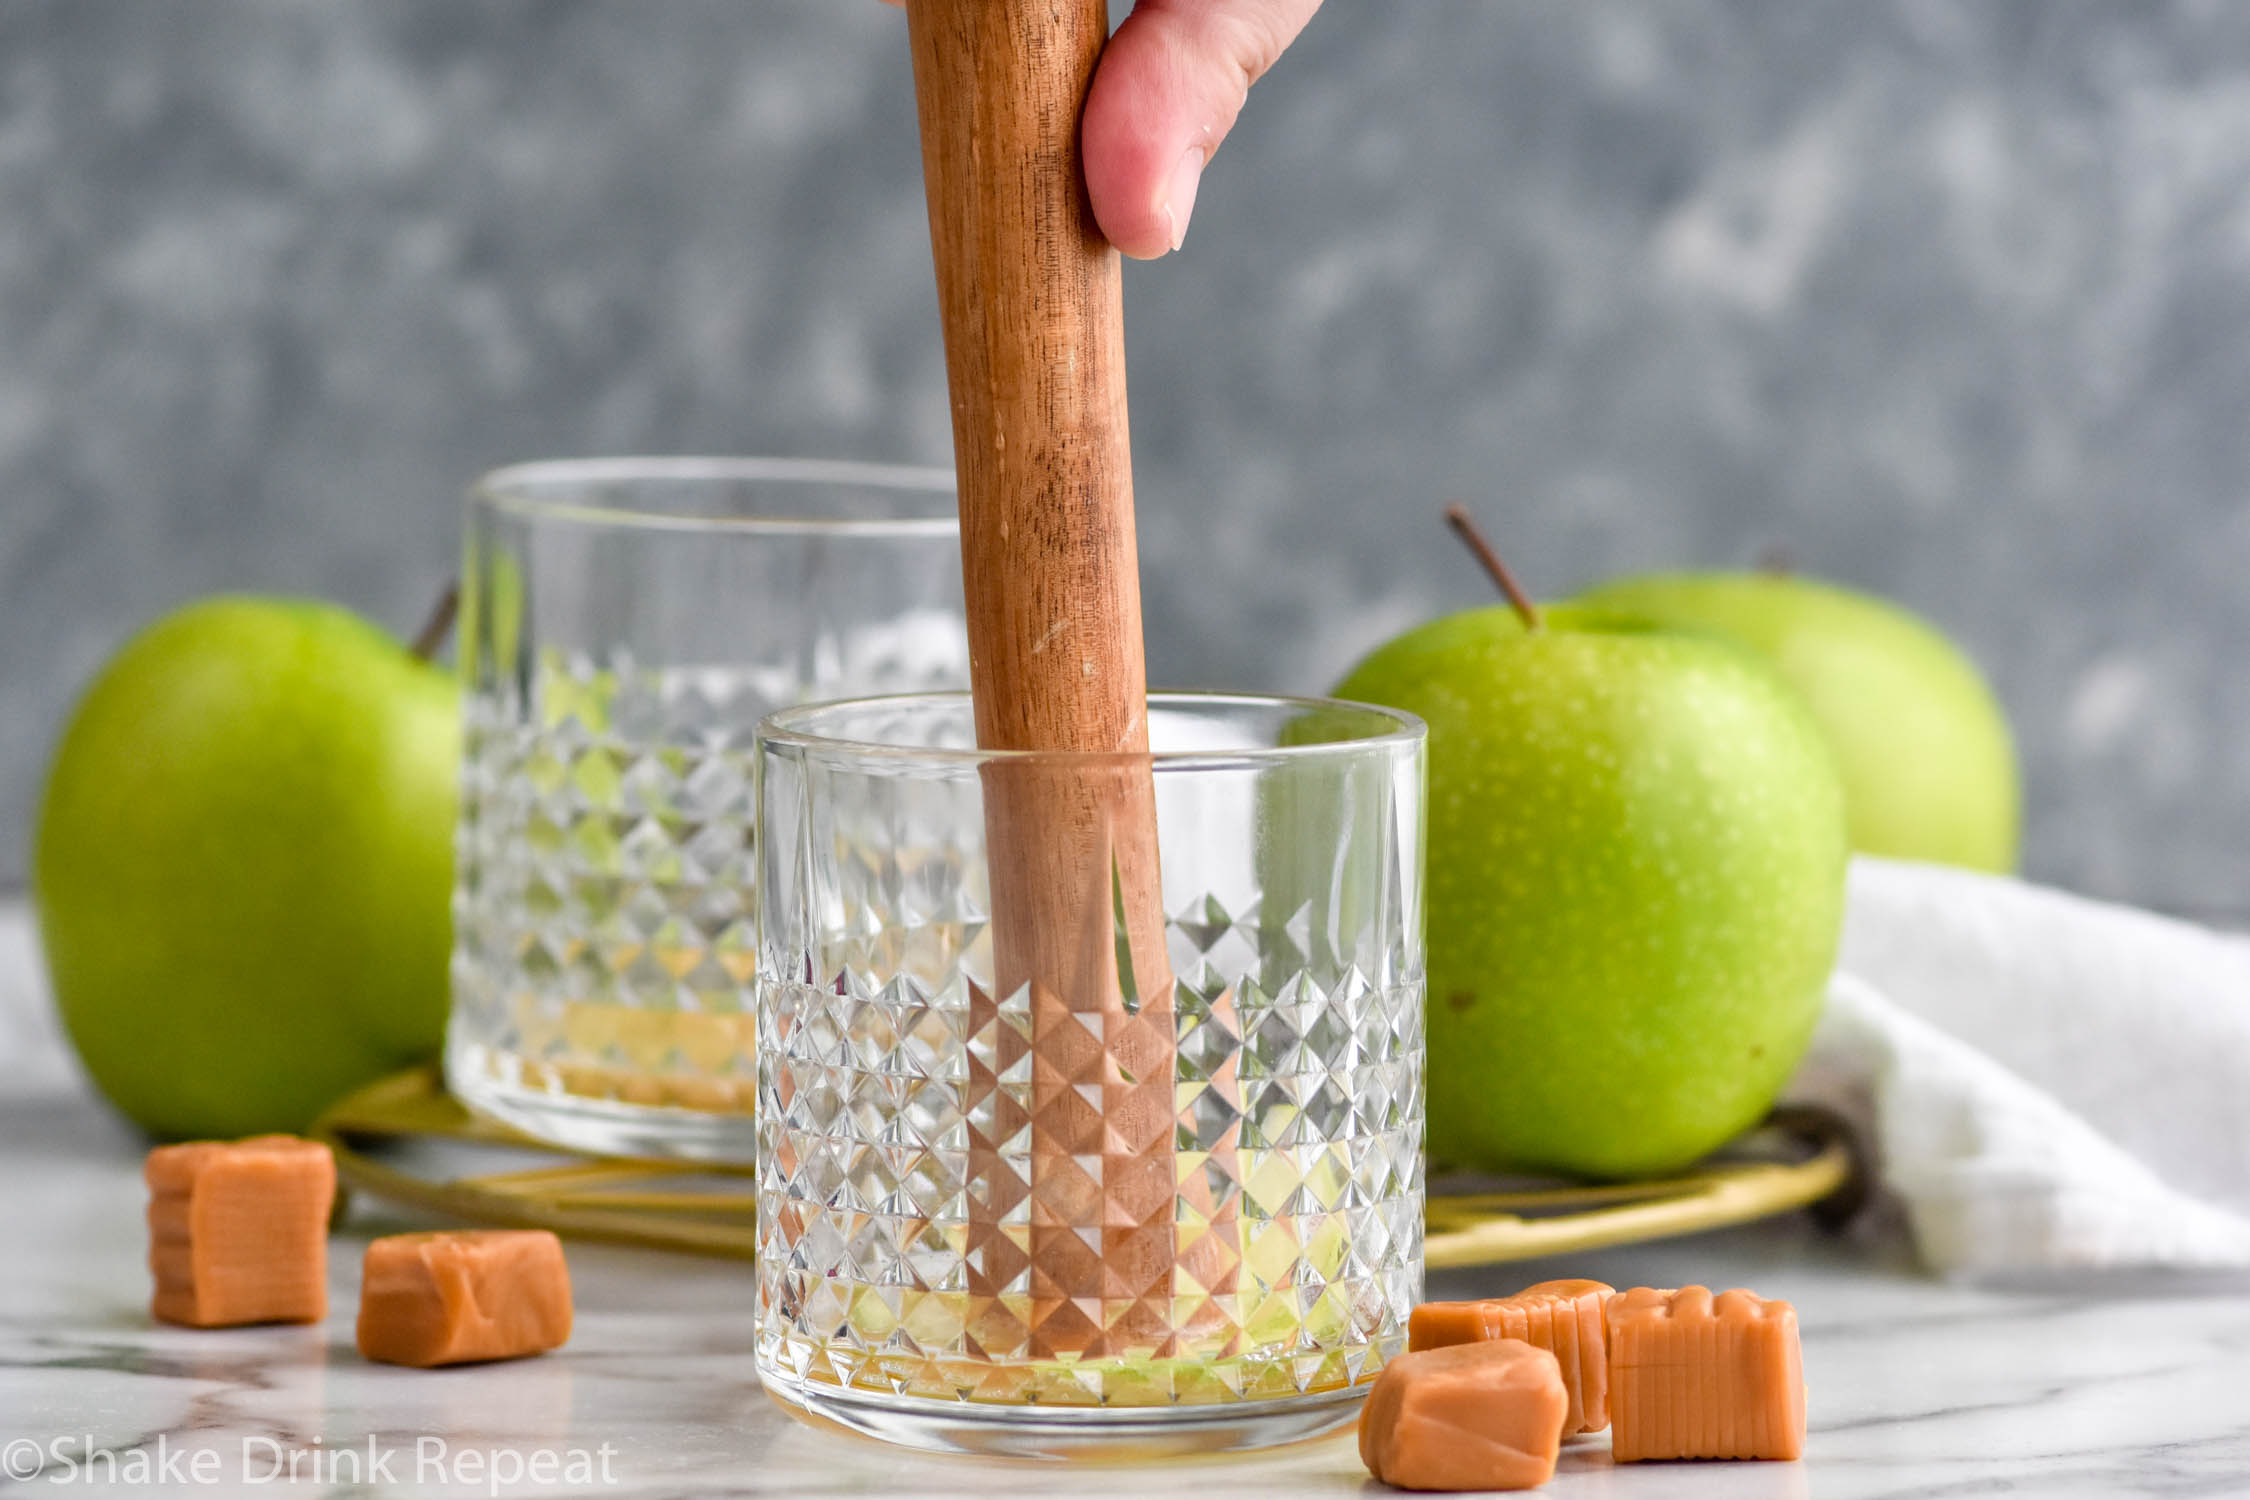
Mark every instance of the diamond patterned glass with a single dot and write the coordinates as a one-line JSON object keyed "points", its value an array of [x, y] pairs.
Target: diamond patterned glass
{"points": [[952, 1241], [624, 627]]}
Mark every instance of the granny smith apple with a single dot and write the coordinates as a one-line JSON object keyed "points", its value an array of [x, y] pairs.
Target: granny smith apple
{"points": [[1929, 768], [1635, 886], [243, 865]]}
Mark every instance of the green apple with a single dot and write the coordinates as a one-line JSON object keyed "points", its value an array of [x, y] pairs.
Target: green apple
{"points": [[1929, 769], [243, 865], [1635, 889]]}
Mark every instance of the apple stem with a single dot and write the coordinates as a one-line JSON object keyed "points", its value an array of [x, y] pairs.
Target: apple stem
{"points": [[1457, 517], [1776, 560], [438, 624]]}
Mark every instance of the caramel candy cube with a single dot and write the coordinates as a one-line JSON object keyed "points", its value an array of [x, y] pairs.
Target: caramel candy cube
{"points": [[1486, 1415], [238, 1231], [451, 1296], [1697, 1376], [1562, 1317]]}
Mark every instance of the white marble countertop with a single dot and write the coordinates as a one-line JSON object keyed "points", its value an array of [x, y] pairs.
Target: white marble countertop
{"points": [[1917, 1388]]}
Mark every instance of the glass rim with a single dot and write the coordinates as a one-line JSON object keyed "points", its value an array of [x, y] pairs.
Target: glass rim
{"points": [[513, 489], [787, 727]]}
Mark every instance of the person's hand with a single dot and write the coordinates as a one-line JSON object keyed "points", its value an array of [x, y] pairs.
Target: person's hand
{"points": [[1166, 94]]}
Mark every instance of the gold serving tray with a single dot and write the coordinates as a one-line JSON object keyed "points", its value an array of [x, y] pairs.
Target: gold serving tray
{"points": [[1799, 1159]]}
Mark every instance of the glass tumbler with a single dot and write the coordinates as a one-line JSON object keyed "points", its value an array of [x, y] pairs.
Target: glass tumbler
{"points": [[625, 625], [1165, 1193]]}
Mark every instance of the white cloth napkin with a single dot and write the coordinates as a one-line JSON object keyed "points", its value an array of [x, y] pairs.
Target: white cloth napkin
{"points": [[2052, 1084]]}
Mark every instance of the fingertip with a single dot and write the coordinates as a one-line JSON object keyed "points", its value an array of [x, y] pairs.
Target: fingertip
{"points": [[1168, 90], [1159, 231], [1179, 196], [1140, 128]]}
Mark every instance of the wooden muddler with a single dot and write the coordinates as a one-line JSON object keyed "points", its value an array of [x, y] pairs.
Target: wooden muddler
{"points": [[1031, 301]]}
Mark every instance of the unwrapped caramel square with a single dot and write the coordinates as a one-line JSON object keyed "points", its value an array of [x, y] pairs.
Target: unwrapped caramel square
{"points": [[1562, 1317], [1486, 1415], [238, 1231], [1697, 1376], [451, 1296]]}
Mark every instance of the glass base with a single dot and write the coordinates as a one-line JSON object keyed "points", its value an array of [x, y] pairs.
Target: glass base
{"points": [[601, 1127], [1099, 1435]]}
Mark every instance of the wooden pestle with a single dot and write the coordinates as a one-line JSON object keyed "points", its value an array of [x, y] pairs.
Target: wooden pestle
{"points": [[1030, 296]]}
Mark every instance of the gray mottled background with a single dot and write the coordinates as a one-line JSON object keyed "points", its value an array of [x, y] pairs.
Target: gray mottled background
{"points": [[1951, 298]]}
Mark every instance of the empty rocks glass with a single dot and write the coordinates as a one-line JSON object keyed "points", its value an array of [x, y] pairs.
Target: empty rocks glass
{"points": [[625, 625]]}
